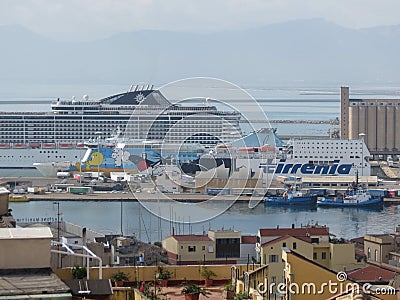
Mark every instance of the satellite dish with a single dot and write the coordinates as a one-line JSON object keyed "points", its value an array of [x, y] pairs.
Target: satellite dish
{"points": [[85, 97]]}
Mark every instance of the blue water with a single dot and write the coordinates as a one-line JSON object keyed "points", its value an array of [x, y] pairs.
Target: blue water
{"points": [[105, 217]]}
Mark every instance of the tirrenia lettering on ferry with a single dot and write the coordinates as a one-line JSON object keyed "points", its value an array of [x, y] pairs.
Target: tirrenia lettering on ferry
{"points": [[308, 169]]}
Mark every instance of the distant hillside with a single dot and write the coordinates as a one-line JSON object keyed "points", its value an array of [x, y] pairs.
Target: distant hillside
{"points": [[307, 51]]}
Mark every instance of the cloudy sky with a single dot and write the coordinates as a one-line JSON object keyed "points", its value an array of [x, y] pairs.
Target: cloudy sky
{"points": [[92, 19]]}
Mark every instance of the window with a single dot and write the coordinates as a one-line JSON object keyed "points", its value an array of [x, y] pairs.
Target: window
{"points": [[294, 245], [273, 258], [369, 253], [314, 240], [323, 255], [191, 248], [203, 248], [315, 255], [284, 245], [376, 255]]}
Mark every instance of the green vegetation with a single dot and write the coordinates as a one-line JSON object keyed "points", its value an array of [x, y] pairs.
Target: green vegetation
{"points": [[164, 273], [78, 272], [120, 276], [207, 273], [192, 288]]}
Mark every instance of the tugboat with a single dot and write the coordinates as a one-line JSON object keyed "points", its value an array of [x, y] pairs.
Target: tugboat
{"points": [[358, 196], [292, 196]]}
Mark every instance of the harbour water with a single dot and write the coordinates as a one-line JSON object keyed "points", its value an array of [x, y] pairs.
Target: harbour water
{"points": [[105, 217]]}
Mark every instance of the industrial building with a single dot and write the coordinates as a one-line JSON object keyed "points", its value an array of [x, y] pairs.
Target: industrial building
{"points": [[377, 121]]}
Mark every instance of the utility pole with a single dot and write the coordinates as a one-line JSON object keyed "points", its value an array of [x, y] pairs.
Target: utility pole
{"points": [[58, 231], [122, 233]]}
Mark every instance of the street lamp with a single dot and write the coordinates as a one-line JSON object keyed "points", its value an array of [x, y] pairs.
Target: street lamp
{"points": [[362, 135], [98, 133]]}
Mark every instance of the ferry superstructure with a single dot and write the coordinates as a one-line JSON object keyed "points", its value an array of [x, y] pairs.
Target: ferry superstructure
{"points": [[260, 151], [324, 157], [28, 138]]}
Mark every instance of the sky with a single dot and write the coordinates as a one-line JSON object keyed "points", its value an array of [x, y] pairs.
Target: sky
{"points": [[94, 19]]}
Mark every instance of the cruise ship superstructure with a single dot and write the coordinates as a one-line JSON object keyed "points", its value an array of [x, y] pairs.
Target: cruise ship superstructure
{"points": [[28, 138]]}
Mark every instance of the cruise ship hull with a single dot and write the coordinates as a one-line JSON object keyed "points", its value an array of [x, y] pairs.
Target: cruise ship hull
{"points": [[25, 158]]}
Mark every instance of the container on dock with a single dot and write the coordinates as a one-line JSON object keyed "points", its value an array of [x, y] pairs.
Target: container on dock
{"points": [[33, 190], [82, 190]]}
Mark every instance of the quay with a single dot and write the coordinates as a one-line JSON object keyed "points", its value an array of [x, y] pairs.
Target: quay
{"points": [[128, 196], [394, 200]]}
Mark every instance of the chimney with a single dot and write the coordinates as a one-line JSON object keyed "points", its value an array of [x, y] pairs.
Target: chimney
{"points": [[292, 226], [277, 226], [173, 231], [84, 236]]}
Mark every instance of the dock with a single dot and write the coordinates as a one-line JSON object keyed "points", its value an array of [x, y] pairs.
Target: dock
{"points": [[394, 200], [126, 197]]}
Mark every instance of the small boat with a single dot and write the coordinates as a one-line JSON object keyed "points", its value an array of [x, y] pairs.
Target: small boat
{"points": [[360, 197], [66, 145], [19, 146], [49, 145], [356, 196], [18, 198], [4, 146], [292, 196]]}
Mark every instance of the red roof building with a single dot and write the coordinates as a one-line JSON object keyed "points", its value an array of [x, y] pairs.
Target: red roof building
{"points": [[371, 274]]}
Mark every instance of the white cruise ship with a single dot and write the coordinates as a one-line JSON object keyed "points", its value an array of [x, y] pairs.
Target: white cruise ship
{"points": [[56, 136]]}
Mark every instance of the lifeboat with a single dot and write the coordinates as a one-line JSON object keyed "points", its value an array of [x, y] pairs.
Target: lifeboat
{"points": [[4, 146], [110, 145], [49, 145], [19, 146], [223, 147], [65, 145], [80, 145], [267, 148], [34, 145], [246, 149]]}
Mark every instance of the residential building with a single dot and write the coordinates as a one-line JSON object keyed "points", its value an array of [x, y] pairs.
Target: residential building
{"points": [[312, 242], [372, 274], [377, 247], [317, 234], [6, 218], [248, 252], [25, 265], [308, 280], [217, 247], [74, 236]]}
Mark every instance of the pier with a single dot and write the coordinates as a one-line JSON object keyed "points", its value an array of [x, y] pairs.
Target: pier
{"points": [[128, 196]]}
